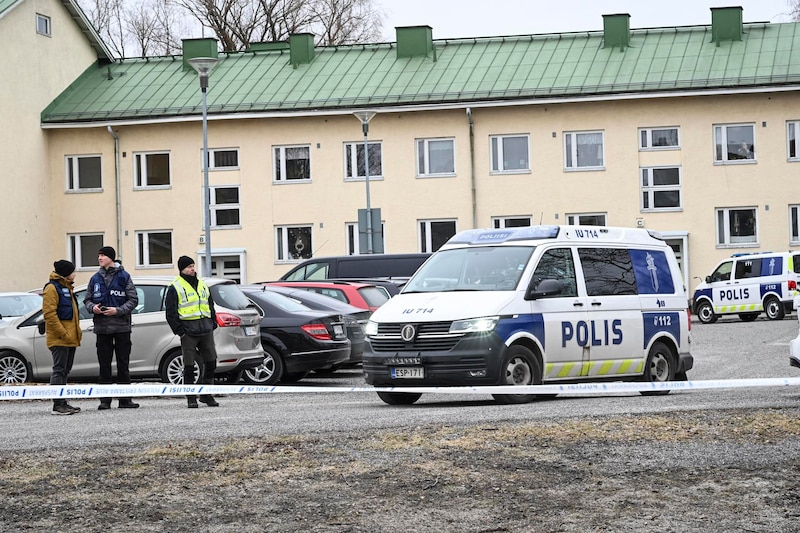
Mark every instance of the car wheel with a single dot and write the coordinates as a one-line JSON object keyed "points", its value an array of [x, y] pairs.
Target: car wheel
{"points": [[774, 309], [13, 368], [399, 398], [269, 372], [748, 317], [172, 369], [705, 313], [659, 368], [520, 367]]}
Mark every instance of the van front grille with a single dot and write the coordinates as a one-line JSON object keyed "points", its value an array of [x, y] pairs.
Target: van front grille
{"points": [[430, 337]]}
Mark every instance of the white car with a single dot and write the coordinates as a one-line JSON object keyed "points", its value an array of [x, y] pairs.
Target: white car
{"points": [[156, 352]]}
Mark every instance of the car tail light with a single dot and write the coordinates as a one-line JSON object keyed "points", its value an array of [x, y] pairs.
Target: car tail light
{"points": [[318, 331], [689, 316], [227, 320]]}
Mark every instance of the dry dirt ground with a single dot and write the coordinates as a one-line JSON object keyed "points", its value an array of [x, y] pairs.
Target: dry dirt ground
{"points": [[697, 471]]}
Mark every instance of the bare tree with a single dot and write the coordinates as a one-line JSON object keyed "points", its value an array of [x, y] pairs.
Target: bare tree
{"points": [[346, 21], [794, 10], [107, 16]]}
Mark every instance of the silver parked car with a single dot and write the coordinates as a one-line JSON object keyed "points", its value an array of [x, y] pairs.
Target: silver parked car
{"points": [[156, 352]]}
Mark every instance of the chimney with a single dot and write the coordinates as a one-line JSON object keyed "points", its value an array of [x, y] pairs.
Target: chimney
{"points": [[192, 48], [726, 24], [415, 41], [301, 49], [617, 31]]}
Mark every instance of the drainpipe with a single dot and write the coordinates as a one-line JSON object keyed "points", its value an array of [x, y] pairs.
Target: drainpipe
{"points": [[116, 183], [472, 168]]}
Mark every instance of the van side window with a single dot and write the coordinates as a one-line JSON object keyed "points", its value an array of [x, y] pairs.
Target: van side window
{"points": [[723, 272], [607, 271], [557, 264], [748, 268], [796, 263]]}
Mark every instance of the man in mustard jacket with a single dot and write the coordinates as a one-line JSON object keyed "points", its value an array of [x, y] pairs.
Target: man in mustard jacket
{"points": [[62, 327]]}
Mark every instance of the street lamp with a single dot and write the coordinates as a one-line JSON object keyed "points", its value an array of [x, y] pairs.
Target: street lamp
{"points": [[365, 117], [204, 66]]}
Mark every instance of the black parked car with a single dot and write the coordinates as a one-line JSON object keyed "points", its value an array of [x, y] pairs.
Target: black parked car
{"points": [[295, 338], [355, 318]]}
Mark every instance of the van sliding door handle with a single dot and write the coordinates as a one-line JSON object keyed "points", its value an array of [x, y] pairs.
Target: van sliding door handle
{"points": [[597, 304], [577, 304]]}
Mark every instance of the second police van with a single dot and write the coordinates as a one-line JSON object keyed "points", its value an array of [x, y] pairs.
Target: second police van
{"points": [[747, 285], [534, 305]]}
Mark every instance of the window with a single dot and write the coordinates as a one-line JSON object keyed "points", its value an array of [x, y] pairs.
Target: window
{"points": [[83, 249], [223, 159], [734, 142], [293, 243], [434, 233], [354, 161], [151, 169], [436, 157], [794, 224], [154, 248], [84, 172], [509, 153], [737, 226], [659, 138], [792, 133], [586, 219], [661, 188], [353, 246], [224, 206], [607, 271], [292, 163], [557, 264], [510, 222], [43, 25], [583, 150]]}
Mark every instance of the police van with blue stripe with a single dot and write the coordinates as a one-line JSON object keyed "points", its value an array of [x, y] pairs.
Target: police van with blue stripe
{"points": [[534, 305]]}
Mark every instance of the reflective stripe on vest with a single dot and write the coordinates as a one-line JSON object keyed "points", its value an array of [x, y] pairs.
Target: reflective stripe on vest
{"points": [[192, 305]]}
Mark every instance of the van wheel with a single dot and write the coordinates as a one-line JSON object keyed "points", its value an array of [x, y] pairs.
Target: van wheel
{"points": [[774, 309], [706, 313], [659, 368], [748, 317], [269, 372], [13, 368], [520, 367], [399, 398]]}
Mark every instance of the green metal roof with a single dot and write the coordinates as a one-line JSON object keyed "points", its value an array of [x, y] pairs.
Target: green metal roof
{"points": [[465, 71]]}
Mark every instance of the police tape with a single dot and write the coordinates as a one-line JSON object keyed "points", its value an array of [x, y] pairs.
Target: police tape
{"points": [[78, 391]]}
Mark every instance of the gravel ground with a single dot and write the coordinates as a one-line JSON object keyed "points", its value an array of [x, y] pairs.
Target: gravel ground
{"points": [[719, 470]]}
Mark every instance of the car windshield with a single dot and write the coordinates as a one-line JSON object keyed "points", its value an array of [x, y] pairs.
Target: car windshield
{"points": [[229, 295], [485, 268], [19, 304]]}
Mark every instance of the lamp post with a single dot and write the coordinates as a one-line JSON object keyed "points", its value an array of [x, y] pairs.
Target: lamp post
{"points": [[365, 117], [204, 66]]}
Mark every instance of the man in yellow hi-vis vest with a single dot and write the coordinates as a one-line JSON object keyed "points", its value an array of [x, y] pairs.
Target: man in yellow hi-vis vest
{"points": [[191, 315]]}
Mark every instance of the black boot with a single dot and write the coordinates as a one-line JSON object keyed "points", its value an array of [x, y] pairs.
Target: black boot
{"points": [[127, 403], [191, 402], [188, 379]]}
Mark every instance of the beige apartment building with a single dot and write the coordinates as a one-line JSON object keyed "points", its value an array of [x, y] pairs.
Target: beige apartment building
{"points": [[688, 131]]}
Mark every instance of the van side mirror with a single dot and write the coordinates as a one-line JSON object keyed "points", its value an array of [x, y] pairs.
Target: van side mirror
{"points": [[547, 287], [708, 279]]}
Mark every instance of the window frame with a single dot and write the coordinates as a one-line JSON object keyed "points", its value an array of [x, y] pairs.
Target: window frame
{"points": [[425, 234], [425, 154], [213, 206], [725, 212], [212, 164], [76, 246], [501, 222], [794, 224], [47, 31], [498, 141], [647, 145], [72, 163], [350, 159], [792, 129], [651, 190], [276, 178], [351, 237], [283, 254], [139, 181], [721, 157], [570, 218], [142, 239], [571, 162]]}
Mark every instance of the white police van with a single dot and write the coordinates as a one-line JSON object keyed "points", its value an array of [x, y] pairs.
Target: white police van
{"points": [[747, 285], [533, 305]]}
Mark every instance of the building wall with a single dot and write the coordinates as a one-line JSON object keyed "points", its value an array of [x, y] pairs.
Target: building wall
{"points": [[547, 193], [34, 69]]}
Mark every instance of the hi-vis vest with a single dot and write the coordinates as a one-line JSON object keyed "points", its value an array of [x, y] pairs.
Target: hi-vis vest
{"points": [[192, 305]]}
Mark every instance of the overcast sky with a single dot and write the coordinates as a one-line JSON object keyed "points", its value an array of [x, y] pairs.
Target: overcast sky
{"points": [[483, 18]]}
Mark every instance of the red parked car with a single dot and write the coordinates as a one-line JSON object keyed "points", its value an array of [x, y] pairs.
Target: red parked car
{"points": [[363, 295]]}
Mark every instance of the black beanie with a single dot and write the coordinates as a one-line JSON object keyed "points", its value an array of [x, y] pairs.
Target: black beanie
{"points": [[184, 261], [108, 252], [63, 267]]}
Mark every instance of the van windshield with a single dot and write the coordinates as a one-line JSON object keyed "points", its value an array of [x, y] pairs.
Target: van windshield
{"points": [[485, 268]]}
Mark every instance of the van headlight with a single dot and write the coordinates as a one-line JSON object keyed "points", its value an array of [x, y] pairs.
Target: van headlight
{"points": [[474, 325], [371, 328]]}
